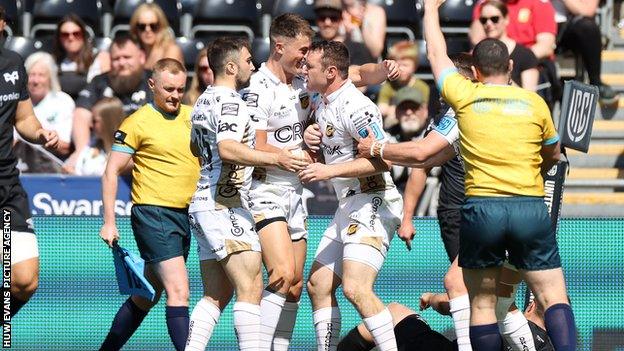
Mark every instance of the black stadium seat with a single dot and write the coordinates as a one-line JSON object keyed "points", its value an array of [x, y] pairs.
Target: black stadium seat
{"points": [[46, 14], [226, 17], [305, 8], [402, 17], [260, 49], [456, 16], [123, 10], [190, 49], [26, 46], [12, 17]]}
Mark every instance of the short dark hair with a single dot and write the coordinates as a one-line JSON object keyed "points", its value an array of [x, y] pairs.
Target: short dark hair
{"points": [[289, 25], [122, 39], [223, 50], [2, 13], [491, 57], [335, 54], [463, 61]]}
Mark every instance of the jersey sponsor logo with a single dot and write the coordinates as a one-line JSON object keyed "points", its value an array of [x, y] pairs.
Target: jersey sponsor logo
{"points": [[288, 133], [251, 99], [108, 92], [375, 127], [236, 230], [352, 229], [304, 100], [139, 96], [229, 109], [8, 97], [45, 203], [227, 127], [120, 136], [12, 77], [446, 125], [329, 130], [331, 150]]}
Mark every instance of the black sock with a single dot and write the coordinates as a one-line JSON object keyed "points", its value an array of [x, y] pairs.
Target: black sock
{"points": [[178, 325], [126, 322], [355, 342], [485, 337], [16, 305], [560, 326]]}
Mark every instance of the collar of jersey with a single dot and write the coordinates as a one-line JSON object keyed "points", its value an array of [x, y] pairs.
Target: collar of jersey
{"points": [[267, 72], [333, 96], [167, 115]]}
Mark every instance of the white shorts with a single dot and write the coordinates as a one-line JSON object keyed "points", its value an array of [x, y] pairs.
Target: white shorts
{"points": [[271, 202], [220, 233], [23, 246], [362, 222]]}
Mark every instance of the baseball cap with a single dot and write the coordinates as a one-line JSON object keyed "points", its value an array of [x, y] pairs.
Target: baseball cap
{"points": [[408, 94], [328, 4]]}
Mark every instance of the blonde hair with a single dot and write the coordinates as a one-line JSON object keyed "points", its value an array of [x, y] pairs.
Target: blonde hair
{"points": [[110, 110], [164, 37], [403, 49], [50, 63], [195, 89]]}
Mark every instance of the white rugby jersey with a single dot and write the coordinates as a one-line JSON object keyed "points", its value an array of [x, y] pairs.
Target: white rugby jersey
{"points": [[220, 114], [283, 111], [343, 118]]}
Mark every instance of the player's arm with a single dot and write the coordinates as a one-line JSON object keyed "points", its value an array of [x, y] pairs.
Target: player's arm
{"points": [[413, 190], [550, 155], [117, 162], [530, 78], [29, 128], [436, 45], [360, 167], [373, 73], [439, 303], [235, 152]]}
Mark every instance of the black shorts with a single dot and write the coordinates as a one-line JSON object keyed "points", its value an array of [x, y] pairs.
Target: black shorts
{"points": [[14, 198], [449, 221], [413, 334], [161, 232]]}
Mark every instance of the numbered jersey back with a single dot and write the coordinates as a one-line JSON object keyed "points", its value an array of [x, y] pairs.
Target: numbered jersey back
{"points": [[220, 114]]}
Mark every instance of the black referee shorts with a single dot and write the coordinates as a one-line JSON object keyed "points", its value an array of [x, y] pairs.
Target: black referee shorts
{"points": [[449, 221], [14, 198]]}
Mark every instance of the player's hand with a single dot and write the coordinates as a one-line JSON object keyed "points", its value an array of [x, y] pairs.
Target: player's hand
{"points": [[392, 68], [315, 172], [425, 301], [109, 234], [292, 159], [48, 138], [312, 136], [407, 232], [365, 144]]}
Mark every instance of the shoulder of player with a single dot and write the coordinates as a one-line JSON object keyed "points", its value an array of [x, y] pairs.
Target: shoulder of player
{"points": [[12, 57], [231, 105]]}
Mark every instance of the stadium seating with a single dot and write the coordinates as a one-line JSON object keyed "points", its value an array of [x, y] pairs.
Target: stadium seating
{"points": [[123, 10], [190, 49], [260, 49], [26, 46], [188, 8], [456, 16], [46, 14], [402, 17], [232, 17], [12, 17], [305, 8]]}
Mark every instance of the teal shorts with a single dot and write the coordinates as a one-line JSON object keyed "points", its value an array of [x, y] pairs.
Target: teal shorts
{"points": [[161, 232], [519, 226]]}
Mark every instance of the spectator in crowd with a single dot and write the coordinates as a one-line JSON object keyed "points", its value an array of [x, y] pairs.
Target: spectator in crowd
{"points": [[365, 23], [406, 54], [126, 80], [75, 55], [330, 23], [578, 31], [413, 115], [107, 116], [149, 26], [494, 19], [203, 78], [53, 108]]}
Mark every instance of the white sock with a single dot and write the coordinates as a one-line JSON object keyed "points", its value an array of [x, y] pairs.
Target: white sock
{"points": [[382, 329], [327, 326], [271, 307], [516, 331], [285, 326], [460, 310], [203, 319], [247, 325]]}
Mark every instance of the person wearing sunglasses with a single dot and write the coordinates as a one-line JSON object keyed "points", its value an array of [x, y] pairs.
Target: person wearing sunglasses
{"points": [[203, 78], [494, 19], [73, 50], [149, 26], [330, 27]]}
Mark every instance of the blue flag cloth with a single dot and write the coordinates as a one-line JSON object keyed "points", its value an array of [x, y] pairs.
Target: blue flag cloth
{"points": [[129, 272]]}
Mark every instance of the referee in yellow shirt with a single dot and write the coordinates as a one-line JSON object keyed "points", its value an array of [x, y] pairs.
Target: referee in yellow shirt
{"points": [[507, 139], [157, 138]]}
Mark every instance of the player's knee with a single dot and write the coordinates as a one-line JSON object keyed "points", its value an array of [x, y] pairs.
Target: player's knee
{"points": [[294, 293], [178, 294], [25, 288], [281, 278], [454, 283], [317, 287], [355, 292]]}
